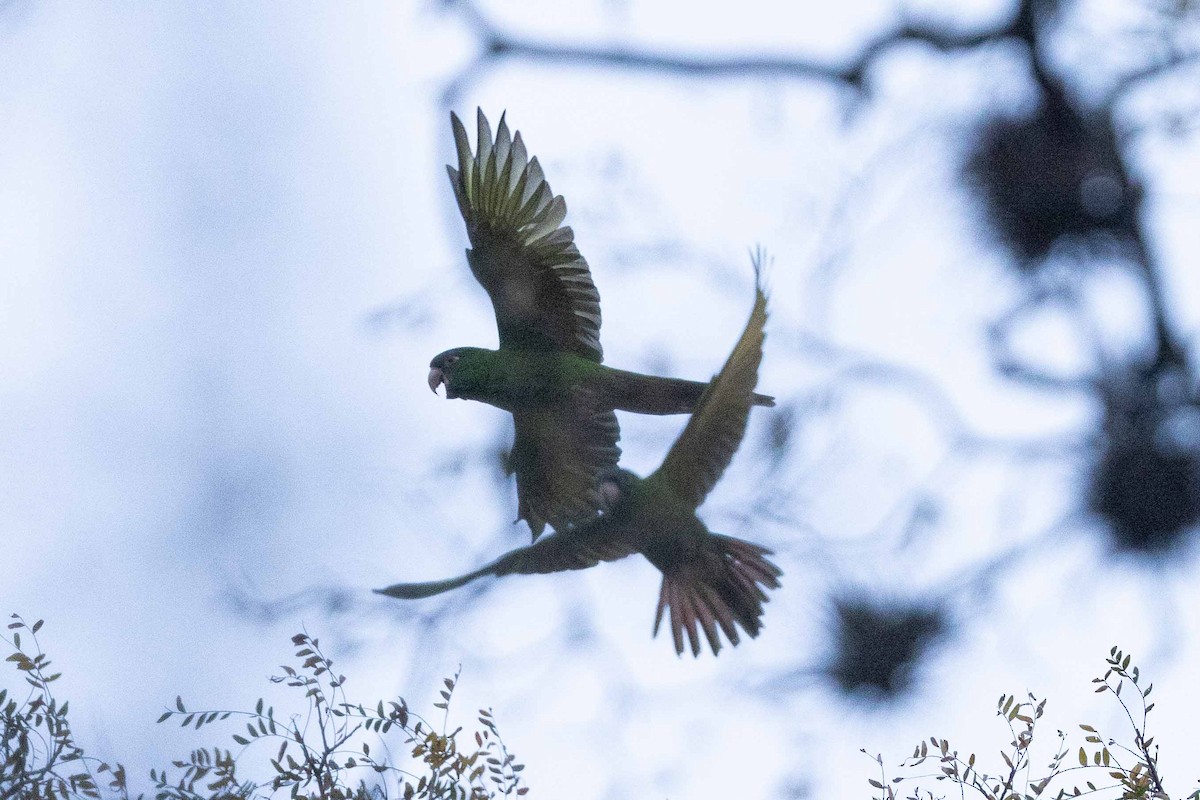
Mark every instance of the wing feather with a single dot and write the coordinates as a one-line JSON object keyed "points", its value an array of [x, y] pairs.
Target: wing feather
{"points": [[713, 433], [577, 548], [560, 457], [540, 286]]}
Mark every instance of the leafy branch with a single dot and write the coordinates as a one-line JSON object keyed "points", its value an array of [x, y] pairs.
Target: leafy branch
{"points": [[39, 757], [1133, 769], [319, 751], [336, 749]]}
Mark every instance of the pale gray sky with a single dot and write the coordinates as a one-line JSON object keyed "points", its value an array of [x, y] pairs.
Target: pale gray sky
{"points": [[230, 250]]}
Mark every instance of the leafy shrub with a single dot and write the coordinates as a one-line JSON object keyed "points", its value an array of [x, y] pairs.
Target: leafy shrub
{"points": [[39, 757], [335, 750], [1129, 772]]}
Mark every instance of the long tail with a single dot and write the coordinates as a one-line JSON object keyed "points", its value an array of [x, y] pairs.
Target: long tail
{"points": [[721, 587], [651, 394], [415, 591]]}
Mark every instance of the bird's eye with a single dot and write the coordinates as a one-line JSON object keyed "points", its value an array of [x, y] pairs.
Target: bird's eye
{"points": [[451, 359]]}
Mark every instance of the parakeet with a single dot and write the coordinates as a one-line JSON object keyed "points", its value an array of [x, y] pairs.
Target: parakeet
{"points": [[548, 369], [711, 583]]}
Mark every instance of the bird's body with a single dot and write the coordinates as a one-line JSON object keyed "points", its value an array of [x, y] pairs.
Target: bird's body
{"points": [[547, 370], [711, 583], [528, 380]]}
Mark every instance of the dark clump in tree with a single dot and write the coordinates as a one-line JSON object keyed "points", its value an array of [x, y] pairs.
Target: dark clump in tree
{"points": [[1049, 176], [1146, 482], [877, 646]]}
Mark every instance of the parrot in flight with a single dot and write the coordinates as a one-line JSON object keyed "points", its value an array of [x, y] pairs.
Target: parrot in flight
{"points": [[547, 371], [711, 583]]}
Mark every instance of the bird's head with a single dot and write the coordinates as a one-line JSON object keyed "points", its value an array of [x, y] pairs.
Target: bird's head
{"points": [[458, 369], [615, 487]]}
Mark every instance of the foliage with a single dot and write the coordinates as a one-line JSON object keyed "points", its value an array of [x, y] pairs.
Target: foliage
{"points": [[39, 757], [1128, 772], [336, 750]]}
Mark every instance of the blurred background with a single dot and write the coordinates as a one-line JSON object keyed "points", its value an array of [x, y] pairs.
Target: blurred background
{"points": [[228, 250]]}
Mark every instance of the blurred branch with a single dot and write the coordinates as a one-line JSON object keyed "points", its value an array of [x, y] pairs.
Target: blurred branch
{"points": [[497, 44], [916, 507], [862, 368], [1134, 79], [1170, 353], [982, 577], [1011, 366]]}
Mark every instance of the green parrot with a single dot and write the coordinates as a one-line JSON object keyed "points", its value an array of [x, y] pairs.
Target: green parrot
{"points": [[548, 371], [711, 582]]}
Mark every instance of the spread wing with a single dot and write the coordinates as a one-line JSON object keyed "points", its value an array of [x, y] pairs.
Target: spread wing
{"points": [[540, 286], [715, 429], [578, 548], [560, 456]]}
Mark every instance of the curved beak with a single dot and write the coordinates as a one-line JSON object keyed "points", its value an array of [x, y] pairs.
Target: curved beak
{"points": [[436, 379]]}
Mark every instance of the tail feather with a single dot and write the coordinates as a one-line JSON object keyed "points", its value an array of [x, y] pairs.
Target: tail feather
{"points": [[652, 394], [722, 587], [713, 604], [750, 563], [666, 598]]}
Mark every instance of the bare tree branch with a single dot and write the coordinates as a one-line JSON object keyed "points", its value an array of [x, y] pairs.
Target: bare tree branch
{"points": [[497, 44]]}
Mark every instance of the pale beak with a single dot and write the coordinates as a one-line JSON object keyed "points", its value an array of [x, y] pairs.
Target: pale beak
{"points": [[436, 379]]}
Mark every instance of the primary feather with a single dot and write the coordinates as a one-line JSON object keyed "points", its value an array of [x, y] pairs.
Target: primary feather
{"points": [[702, 452], [540, 286]]}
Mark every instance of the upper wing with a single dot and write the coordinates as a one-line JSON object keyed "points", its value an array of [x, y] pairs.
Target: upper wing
{"points": [[560, 457], [540, 286], [715, 429]]}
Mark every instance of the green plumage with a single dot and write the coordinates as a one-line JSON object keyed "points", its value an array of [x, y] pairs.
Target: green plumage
{"points": [[712, 584], [524, 380], [547, 370]]}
